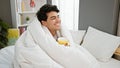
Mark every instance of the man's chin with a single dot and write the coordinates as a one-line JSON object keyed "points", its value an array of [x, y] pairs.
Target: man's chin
{"points": [[58, 28]]}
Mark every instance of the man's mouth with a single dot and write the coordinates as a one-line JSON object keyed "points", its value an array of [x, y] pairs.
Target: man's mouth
{"points": [[58, 24]]}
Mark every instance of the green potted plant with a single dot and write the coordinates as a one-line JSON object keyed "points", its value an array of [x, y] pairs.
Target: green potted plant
{"points": [[27, 19], [3, 33]]}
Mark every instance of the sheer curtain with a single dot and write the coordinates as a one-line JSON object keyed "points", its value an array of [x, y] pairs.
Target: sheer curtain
{"points": [[69, 12]]}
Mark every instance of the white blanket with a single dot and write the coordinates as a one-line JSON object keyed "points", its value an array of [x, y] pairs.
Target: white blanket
{"points": [[37, 48]]}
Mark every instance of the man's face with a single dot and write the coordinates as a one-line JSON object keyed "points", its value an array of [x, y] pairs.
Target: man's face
{"points": [[53, 21]]}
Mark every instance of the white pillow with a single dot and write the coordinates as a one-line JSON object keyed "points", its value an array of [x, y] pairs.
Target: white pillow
{"points": [[100, 44], [77, 35]]}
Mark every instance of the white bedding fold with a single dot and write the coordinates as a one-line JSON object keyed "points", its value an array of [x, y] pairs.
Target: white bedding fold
{"points": [[36, 48]]}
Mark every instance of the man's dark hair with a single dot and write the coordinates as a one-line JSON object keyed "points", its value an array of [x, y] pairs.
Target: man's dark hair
{"points": [[42, 12]]}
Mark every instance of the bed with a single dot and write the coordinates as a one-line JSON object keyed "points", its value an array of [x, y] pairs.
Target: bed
{"points": [[113, 63], [6, 58], [7, 53]]}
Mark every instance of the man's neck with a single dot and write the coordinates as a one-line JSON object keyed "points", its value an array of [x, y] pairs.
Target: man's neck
{"points": [[53, 32]]}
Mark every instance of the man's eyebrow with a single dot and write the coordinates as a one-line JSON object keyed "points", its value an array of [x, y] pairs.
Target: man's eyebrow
{"points": [[52, 16]]}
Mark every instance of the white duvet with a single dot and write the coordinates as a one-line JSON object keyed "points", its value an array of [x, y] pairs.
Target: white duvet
{"points": [[36, 48]]}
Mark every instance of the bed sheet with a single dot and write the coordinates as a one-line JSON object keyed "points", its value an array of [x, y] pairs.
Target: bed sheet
{"points": [[6, 57]]}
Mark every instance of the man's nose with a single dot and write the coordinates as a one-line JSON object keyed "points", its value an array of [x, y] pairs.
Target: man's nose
{"points": [[58, 19]]}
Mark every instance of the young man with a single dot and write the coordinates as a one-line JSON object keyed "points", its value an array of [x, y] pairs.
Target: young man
{"points": [[49, 17]]}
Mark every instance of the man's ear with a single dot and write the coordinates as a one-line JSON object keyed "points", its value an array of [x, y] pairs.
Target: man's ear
{"points": [[44, 23]]}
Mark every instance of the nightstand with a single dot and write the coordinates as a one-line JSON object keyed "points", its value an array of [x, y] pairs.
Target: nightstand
{"points": [[117, 54]]}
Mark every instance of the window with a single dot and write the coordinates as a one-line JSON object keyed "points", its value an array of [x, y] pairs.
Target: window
{"points": [[69, 12]]}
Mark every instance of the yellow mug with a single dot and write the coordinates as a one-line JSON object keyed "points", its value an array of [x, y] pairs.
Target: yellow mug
{"points": [[63, 41]]}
